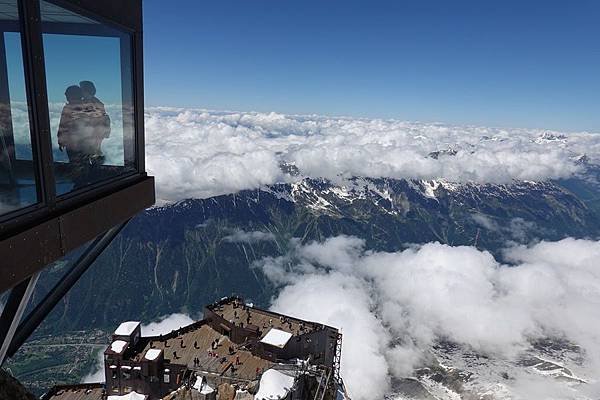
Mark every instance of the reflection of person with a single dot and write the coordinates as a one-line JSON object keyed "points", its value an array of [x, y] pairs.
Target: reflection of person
{"points": [[83, 125], [70, 128], [97, 118]]}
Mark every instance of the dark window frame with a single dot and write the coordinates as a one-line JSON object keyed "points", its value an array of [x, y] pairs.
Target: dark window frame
{"points": [[30, 25]]}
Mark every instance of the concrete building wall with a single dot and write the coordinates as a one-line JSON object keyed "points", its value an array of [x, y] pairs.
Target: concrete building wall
{"points": [[320, 344], [235, 332], [146, 377]]}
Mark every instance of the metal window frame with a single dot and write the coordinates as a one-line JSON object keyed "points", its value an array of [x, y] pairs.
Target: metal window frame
{"points": [[23, 25], [121, 15], [33, 237]]}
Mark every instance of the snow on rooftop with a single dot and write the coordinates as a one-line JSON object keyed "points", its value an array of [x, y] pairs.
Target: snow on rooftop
{"points": [[128, 396], [276, 337], [118, 345], [206, 389], [274, 385], [126, 328], [152, 354], [202, 386]]}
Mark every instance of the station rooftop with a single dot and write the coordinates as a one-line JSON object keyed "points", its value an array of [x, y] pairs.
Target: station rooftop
{"points": [[234, 310], [205, 350], [235, 345], [183, 346]]}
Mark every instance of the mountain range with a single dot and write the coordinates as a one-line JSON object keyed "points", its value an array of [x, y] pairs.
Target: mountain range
{"points": [[177, 257]]}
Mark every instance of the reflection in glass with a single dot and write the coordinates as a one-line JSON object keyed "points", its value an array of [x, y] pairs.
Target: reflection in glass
{"points": [[17, 172], [88, 74]]}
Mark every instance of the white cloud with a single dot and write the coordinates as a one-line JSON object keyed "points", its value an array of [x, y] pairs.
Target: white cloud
{"points": [[198, 153], [392, 307], [342, 300], [520, 229], [112, 146], [166, 324], [485, 222], [241, 236], [97, 372]]}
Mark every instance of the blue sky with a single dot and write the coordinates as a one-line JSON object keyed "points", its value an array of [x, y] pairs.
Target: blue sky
{"points": [[96, 59], [501, 63], [89, 58]]}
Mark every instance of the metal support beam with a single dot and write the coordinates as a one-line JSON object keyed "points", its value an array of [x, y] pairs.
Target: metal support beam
{"points": [[35, 317], [13, 311], [49, 237], [337, 361]]}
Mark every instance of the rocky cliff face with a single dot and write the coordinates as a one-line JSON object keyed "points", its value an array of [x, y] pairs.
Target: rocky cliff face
{"points": [[11, 389]]}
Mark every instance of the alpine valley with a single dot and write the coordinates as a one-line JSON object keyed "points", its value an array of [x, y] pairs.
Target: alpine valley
{"points": [[178, 257]]}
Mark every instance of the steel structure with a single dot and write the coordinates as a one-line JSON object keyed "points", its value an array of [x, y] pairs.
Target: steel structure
{"points": [[35, 235], [338, 359]]}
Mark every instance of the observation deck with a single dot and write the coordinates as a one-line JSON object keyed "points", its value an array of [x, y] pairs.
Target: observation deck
{"points": [[71, 141]]}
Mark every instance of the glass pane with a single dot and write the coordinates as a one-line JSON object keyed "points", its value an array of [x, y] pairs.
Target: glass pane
{"points": [[17, 169], [88, 73]]}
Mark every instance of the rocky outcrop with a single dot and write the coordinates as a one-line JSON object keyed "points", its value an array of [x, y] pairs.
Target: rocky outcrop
{"points": [[11, 389]]}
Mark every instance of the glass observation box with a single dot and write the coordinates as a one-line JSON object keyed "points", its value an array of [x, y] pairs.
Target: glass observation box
{"points": [[71, 127]]}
